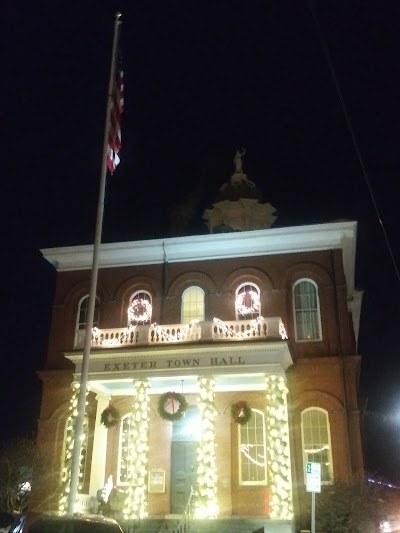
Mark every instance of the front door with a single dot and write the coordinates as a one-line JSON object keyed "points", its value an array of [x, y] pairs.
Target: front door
{"points": [[183, 459]]}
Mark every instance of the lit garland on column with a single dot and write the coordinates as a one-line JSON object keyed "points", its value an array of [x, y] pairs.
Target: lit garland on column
{"points": [[206, 505], [69, 446], [278, 450], [138, 445]]}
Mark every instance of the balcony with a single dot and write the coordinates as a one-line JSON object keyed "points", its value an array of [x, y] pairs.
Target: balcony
{"points": [[205, 331]]}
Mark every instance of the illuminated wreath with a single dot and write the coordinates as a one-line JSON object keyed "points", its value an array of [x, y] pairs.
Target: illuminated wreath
{"points": [[241, 412], [140, 310], [247, 302], [110, 417], [172, 406]]}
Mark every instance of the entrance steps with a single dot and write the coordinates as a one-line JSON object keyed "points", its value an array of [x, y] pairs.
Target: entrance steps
{"points": [[235, 524]]}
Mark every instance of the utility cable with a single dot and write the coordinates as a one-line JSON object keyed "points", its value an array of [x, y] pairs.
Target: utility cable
{"points": [[351, 131]]}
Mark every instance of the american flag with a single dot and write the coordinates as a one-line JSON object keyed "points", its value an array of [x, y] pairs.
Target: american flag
{"points": [[114, 133]]}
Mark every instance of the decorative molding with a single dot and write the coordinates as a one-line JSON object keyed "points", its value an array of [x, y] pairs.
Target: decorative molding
{"points": [[317, 237], [238, 358], [316, 398]]}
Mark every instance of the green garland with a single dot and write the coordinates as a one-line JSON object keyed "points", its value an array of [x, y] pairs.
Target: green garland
{"points": [[110, 417], [177, 406], [241, 412]]}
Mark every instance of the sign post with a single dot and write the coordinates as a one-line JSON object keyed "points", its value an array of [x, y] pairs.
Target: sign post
{"points": [[313, 485]]}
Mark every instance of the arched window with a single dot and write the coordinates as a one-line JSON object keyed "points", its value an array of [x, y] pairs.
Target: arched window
{"points": [[253, 450], [83, 307], [125, 426], [81, 319], [307, 316], [247, 302], [140, 308], [192, 307], [316, 441]]}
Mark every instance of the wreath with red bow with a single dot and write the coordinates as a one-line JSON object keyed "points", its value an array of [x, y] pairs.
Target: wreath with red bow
{"points": [[248, 302], [172, 406], [140, 310], [110, 417], [241, 412]]}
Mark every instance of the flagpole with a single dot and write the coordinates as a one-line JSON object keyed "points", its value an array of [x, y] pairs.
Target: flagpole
{"points": [[76, 453]]}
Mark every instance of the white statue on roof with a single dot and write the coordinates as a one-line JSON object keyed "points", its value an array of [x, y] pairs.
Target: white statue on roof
{"points": [[237, 160]]}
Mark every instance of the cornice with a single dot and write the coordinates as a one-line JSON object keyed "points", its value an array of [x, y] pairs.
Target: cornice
{"points": [[56, 377], [237, 366], [296, 239]]}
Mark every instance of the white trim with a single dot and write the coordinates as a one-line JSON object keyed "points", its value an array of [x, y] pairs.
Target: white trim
{"points": [[132, 298], [294, 309], [264, 443], [238, 315], [96, 323], [241, 358], [329, 443], [78, 314], [203, 295], [335, 235]]}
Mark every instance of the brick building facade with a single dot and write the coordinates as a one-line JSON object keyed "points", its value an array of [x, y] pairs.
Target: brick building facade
{"points": [[266, 319]]}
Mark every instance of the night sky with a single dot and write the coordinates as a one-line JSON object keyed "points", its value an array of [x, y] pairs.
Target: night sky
{"points": [[201, 80]]}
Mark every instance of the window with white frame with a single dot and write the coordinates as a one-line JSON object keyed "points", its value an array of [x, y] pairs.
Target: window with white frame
{"points": [[316, 441], [83, 308], [124, 432], [247, 302], [307, 315], [252, 450], [192, 307], [140, 308]]}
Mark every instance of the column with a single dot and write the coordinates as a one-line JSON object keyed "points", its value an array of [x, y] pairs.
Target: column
{"points": [[68, 448], [206, 504], [136, 500], [278, 448]]}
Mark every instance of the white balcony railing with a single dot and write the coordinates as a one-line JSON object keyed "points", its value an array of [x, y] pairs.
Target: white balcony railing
{"points": [[215, 331], [175, 333]]}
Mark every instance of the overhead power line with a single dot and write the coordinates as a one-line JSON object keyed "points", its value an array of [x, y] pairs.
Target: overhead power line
{"points": [[351, 131]]}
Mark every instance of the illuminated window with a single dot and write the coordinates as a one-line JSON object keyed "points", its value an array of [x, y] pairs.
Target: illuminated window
{"points": [[122, 475], [252, 451], [140, 308], [307, 316], [83, 308], [247, 302], [81, 319], [316, 441], [192, 305]]}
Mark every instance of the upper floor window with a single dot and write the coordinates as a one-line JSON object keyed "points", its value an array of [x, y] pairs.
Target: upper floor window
{"points": [[253, 450], [140, 308], [307, 316], [192, 304], [316, 441], [83, 307], [247, 303]]}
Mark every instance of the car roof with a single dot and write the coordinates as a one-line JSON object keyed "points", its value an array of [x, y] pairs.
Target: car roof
{"points": [[76, 516], [32, 517]]}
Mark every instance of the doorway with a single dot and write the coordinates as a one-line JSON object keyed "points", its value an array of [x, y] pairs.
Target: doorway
{"points": [[184, 459]]}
